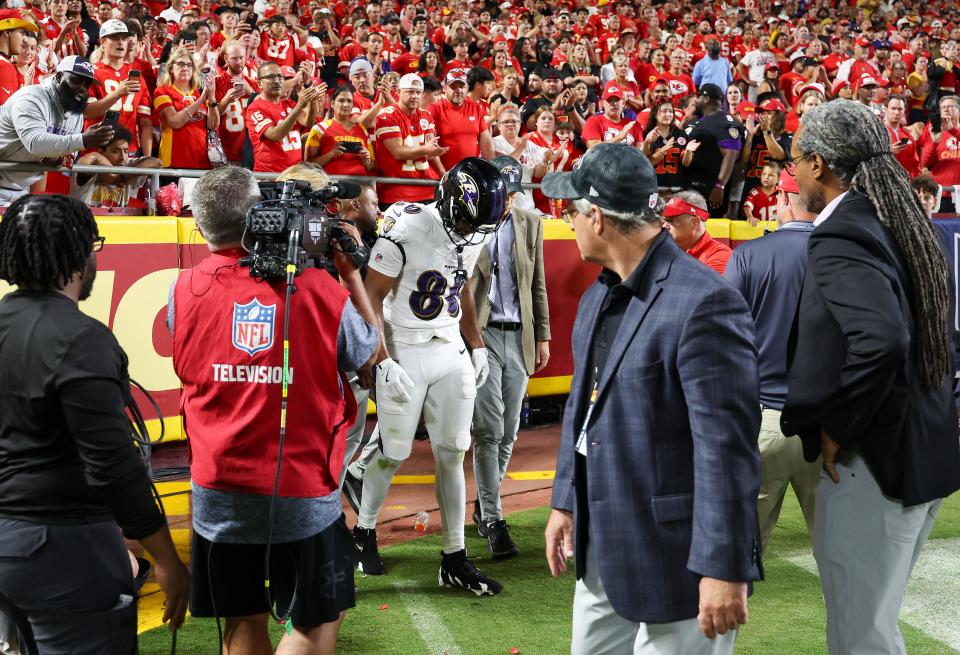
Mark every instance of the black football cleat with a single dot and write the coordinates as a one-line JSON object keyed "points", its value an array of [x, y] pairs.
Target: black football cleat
{"points": [[457, 571], [368, 558], [499, 543]]}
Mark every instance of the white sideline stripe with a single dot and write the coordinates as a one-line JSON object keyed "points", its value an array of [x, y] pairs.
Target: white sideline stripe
{"points": [[425, 619], [930, 604]]}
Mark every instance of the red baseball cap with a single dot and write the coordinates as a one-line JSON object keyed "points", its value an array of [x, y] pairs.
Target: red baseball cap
{"points": [[787, 183], [867, 80], [862, 42], [771, 104], [745, 108], [455, 75], [612, 91], [678, 207]]}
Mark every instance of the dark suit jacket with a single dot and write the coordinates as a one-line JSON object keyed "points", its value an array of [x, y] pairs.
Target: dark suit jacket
{"points": [[853, 361], [531, 284], [673, 470]]}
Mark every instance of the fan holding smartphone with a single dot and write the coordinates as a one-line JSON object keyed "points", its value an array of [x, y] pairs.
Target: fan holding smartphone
{"points": [[120, 88], [338, 144]]}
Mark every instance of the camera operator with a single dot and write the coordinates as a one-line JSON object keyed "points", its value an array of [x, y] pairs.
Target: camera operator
{"points": [[228, 333], [362, 212], [69, 474]]}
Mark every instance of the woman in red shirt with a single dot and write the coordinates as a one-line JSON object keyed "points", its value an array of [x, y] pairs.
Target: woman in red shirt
{"points": [[339, 145], [545, 138], [186, 110]]}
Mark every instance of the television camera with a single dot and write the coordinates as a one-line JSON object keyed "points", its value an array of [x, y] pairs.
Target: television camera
{"points": [[294, 225]]}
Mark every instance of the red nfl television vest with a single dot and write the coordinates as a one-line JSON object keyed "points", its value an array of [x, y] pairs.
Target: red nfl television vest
{"points": [[228, 353]]}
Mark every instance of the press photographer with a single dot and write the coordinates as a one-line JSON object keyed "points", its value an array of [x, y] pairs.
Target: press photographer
{"points": [[69, 474], [257, 495]]}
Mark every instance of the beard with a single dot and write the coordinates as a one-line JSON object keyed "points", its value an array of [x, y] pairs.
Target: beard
{"points": [[69, 100], [813, 200], [89, 275]]}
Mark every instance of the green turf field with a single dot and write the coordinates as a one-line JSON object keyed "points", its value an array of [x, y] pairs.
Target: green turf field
{"points": [[404, 612]]}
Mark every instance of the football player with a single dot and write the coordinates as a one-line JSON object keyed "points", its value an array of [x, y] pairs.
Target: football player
{"points": [[419, 268]]}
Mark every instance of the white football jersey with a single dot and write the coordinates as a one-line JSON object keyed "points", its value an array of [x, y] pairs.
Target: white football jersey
{"points": [[414, 248]]}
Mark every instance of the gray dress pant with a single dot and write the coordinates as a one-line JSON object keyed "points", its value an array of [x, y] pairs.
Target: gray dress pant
{"points": [[599, 630], [866, 545], [72, 583], [496, 416]]}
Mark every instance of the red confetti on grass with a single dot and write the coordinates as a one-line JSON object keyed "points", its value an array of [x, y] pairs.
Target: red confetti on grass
{"points": [[383, 607]]}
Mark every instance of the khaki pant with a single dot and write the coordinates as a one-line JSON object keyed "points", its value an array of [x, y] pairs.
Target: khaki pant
{"points": [[782, 464]]}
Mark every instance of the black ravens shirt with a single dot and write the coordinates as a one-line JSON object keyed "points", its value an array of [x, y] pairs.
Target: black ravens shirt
{"points": [[718, 130]]}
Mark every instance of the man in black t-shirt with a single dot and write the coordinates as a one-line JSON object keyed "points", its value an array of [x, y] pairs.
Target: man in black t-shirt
{"points": [[713, 144], [68, 473]]}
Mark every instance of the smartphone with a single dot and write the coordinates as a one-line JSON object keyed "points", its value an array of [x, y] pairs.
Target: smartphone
{"points": [[935, 123], [135, 74], [352, 146], [111, 118], [238, 86]]}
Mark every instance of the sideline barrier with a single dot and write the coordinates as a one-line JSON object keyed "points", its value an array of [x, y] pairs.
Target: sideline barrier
{"points": [[143, 257]]}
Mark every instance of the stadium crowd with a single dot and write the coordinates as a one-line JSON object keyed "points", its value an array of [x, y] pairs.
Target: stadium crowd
{"points": [[408, 90]]}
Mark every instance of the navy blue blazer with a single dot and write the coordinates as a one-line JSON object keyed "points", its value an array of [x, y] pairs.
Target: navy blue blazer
{"points": [[673, 468]]}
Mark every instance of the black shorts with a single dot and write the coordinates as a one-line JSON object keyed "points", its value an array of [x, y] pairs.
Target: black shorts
{"points": [[321, 568]]}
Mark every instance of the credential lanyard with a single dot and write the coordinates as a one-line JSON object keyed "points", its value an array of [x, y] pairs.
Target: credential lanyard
{"points": [[594, 392]]}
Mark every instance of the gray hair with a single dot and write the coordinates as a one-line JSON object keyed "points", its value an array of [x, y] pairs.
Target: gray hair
{"points": [[856, 148], [220, 203], [625, 222]]}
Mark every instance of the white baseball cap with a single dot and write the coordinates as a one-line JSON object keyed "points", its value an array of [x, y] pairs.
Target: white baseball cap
{"points": [[112, 27], [411, 81]]}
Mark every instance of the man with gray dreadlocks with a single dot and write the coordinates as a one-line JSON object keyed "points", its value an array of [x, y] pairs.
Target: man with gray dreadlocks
{"points": [[870, 373]]}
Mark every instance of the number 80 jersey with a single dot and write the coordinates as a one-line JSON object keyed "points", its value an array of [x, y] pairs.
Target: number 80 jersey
{"points": [[414, 248]]}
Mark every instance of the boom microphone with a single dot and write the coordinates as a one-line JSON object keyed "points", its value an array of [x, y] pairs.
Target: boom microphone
{"points": [[340, 189]]}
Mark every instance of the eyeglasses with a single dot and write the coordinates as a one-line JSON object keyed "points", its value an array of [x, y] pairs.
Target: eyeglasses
{"points": [[569, 214], [98, 243], [511, 122], [183, 64], [275, 76], [791, 166]]}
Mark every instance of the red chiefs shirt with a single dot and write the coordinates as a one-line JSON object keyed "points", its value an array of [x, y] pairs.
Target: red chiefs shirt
{"points": [[711, 252], [602, 128], [51, 29], [328, 134], [607, 42], [272, 156], [909, 157], [232, 129], [645, 74], [458, 128], [130, 106], [10, 79], [351, 51], [412, 130], [282, 51], [762, 205], [943, 159], [405, 63], [680, 86], [184, 147], [392, 50], [628, 90]]}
